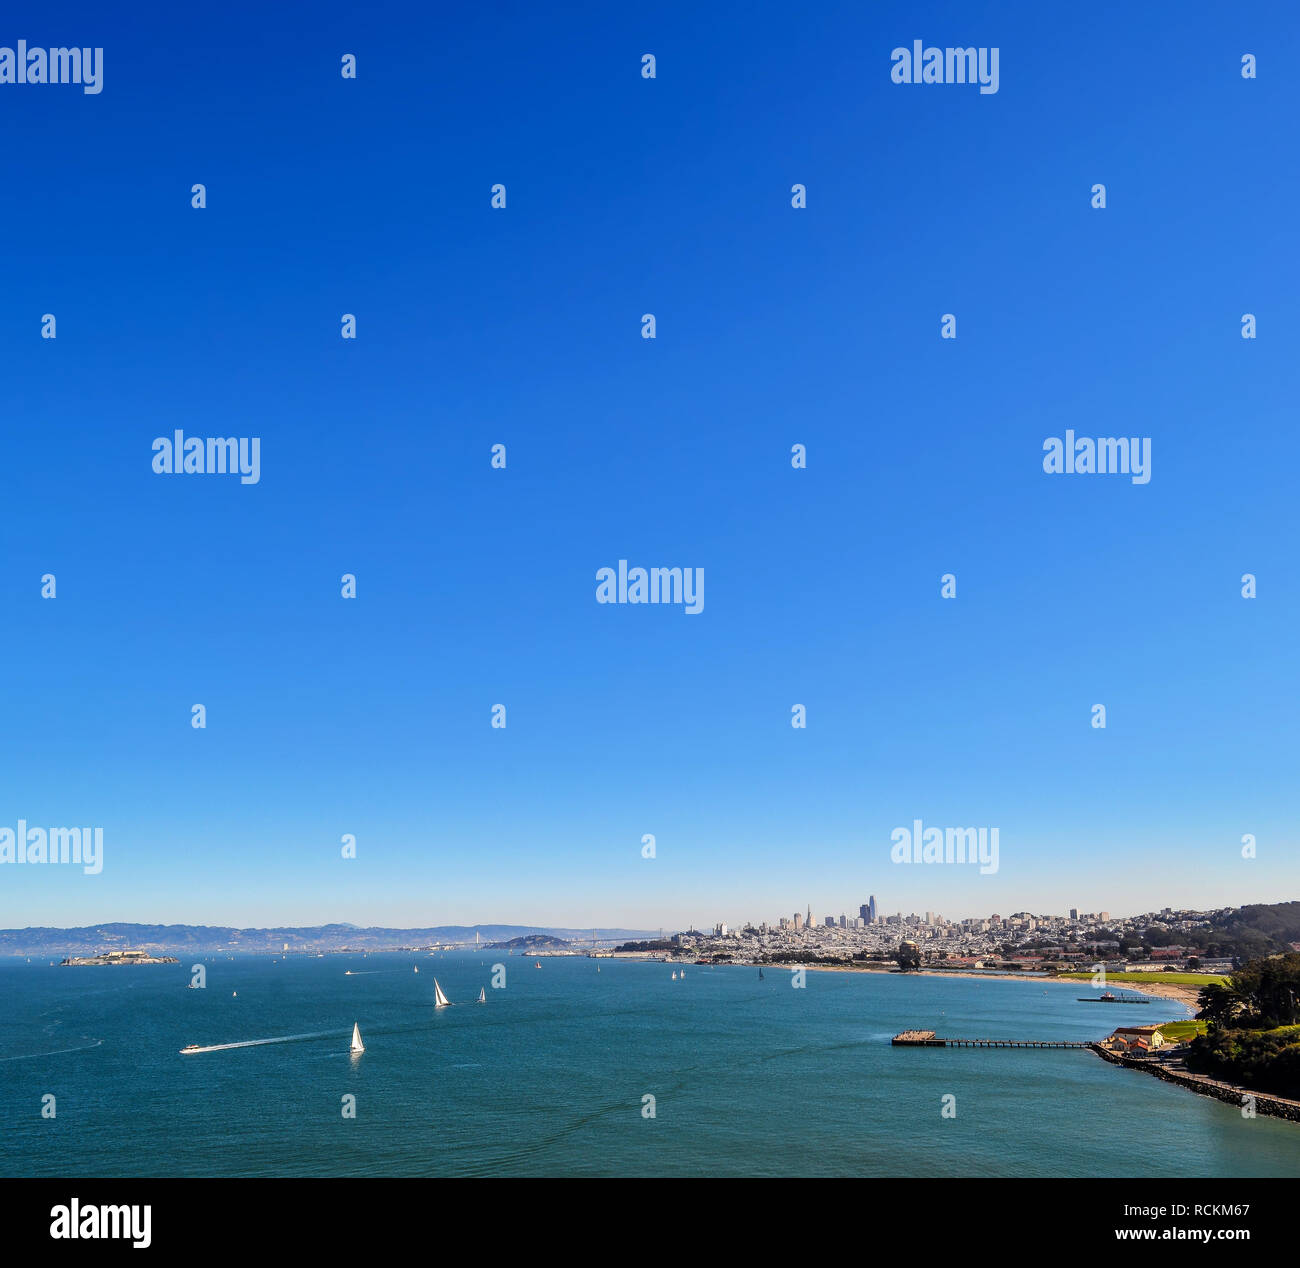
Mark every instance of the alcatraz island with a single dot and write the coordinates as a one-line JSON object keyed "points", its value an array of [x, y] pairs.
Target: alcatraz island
{"points": [[117, 957]]}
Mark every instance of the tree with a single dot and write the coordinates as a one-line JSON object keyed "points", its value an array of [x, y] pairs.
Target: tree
{"points": [[1219, 1004], [1264, 993]]}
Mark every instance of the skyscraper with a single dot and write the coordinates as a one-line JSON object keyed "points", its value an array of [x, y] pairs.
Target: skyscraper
{"points": [[865, 913], [871, 909]]}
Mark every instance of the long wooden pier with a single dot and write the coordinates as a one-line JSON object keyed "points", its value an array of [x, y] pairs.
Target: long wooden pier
{"points": [[928, 1039]]}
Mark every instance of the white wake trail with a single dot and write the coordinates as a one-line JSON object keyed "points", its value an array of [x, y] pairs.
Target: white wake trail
{"points": [[253, 1043], [28, 1056]]}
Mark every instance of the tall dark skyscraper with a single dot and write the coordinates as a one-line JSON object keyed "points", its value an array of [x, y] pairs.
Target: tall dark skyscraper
{"points": [[871, 907], [865, 912]]}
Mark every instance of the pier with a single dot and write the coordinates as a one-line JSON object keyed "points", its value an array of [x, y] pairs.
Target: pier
{"points": [[928, 1039]]}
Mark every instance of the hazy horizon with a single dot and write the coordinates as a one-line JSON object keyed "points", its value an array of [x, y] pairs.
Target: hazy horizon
{"points": [[1005, 909]]}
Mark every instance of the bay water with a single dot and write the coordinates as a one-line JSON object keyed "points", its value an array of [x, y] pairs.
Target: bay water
{"points": [[551, 1075]]}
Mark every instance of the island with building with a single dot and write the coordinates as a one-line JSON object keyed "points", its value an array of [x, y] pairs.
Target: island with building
{"points": [[116, 957]]}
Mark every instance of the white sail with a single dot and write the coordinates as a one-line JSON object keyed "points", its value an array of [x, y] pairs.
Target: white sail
{"points": [[674, 975], [482, 995], [439, 999], [357, 1045]]}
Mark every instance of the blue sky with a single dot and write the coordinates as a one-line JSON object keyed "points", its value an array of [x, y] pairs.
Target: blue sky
{"points": [[775, 326]]}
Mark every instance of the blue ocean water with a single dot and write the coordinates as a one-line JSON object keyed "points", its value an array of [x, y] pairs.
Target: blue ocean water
{"points": [[548, 1076]]}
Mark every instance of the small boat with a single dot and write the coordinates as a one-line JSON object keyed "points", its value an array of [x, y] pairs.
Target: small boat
{"points": [[439, 999], [482, 995], [417, 968], [674, 975], [760, 975], [189, 1047], [347, 972], [538, 965], [357, 1045], [234, 994]]}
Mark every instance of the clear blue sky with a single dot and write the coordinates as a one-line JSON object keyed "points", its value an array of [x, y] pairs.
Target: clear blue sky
{"points": [[775, 326]]}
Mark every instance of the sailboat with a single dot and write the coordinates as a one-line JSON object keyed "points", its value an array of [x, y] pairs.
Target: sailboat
{"points": [[439, 999], [233, 994], [482, 995], [357, 1045], [760, 975], [417, 968], [674, 975]]}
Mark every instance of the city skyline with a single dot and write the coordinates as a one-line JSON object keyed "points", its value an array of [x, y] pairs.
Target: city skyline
{"points": [[929, 915]]}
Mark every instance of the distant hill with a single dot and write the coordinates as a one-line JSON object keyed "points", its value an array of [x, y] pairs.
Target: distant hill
{"points": [[532, 942], [90, 939], [1254, 930]]}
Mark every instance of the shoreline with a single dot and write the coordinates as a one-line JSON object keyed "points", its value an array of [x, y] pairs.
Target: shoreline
{"points": [[1178, 994], [1270, 1104]]}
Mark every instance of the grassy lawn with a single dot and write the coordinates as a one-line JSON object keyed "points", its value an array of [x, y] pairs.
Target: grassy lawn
{"points": [[1179, 1030], [1168, 979]]}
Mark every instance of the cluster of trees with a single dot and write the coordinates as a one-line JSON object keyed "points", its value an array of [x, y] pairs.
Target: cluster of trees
{"points": [[1253, 1036], [1263, 994], [1265, 1059], [813, 957]]}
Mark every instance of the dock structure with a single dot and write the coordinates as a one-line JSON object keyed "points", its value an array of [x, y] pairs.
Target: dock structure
{"points": [[918, 1038], [928, 1039]]}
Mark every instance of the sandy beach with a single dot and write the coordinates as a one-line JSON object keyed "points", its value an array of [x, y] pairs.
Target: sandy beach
{"points": [[1185, 995]]}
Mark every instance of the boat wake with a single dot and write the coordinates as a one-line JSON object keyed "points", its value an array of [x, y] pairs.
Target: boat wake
{"points": [[28, 1056], [255, 1043]]}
